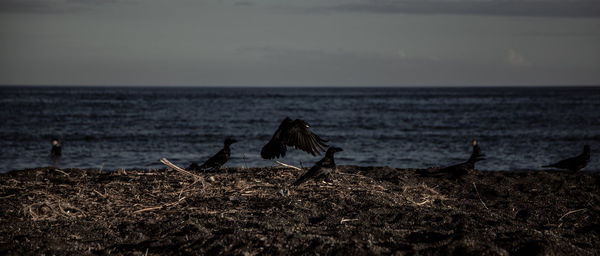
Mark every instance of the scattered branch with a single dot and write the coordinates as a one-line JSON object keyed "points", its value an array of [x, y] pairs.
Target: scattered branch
{"points": [[421, 195], [288, 165], [181, 170], [61, 171], [346, 220], [159, 207], [570, 212], [479, 196]]}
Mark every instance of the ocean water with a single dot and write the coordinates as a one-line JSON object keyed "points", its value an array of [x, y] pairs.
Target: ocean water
{"points": [[113, 127]]}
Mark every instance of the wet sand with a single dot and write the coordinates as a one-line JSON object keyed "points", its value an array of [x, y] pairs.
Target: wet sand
{"points": [[366, 210]]}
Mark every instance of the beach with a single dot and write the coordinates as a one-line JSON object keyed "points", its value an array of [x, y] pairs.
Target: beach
{"points": [[248, 211]]}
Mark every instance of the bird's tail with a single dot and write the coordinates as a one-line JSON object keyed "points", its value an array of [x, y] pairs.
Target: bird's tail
{"points": [[272, 150], [476, 159], [432, 172], [301, 180], [204, 167]]}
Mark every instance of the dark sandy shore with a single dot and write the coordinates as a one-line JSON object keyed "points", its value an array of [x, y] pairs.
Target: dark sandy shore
{"points": [[367, 210]]}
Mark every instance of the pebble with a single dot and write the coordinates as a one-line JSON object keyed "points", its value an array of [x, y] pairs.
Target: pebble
{"points": [[284, 192]]}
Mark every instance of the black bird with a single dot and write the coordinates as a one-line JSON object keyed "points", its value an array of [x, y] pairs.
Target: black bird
{"points": [[294, 134], [321, 169], [218, 160], [573, 164], [56, 150], [464, 168]]}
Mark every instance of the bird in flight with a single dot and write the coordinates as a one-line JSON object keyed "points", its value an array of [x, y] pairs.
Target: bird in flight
{"points": [[218, 160], [296, 134], [464, 168], [321, 169], [573, 164]]}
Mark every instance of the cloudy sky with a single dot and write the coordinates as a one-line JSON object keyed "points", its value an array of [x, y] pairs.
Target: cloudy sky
{"points": [[300, 43]]}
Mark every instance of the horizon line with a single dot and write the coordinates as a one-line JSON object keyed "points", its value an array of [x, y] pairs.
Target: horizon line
{"points": [[302, 86]]}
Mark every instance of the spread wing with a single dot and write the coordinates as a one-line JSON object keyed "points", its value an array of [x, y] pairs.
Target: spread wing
{"points": [[294, 134], [299, 136]]}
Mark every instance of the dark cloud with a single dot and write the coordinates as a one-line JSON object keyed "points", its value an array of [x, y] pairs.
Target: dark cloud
{"points": [[535, 8]]}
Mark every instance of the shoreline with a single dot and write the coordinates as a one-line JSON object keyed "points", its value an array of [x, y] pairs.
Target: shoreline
{"points": [[366, 210], [235, 168]]}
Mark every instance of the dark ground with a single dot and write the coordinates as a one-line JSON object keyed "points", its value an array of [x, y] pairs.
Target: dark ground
{"points": [[366, 210]]}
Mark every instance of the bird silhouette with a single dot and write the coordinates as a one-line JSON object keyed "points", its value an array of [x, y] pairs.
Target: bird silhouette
{"points": [[573, 164], [218, 160], [294, 134], [321, 169], [464, 168], [56, 150]]}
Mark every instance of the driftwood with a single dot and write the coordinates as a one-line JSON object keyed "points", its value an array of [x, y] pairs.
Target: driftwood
{"points": [[184, 171]]}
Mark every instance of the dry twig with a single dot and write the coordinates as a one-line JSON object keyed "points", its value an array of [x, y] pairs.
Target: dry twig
{"points": [[346, 220], [421, 193], [570, 212], [288, 165], [159, 207], [181, 170], [479, 196], [61, 171]]}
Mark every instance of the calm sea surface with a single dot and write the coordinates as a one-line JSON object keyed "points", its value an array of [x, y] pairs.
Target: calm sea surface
{"points": [[110, 128]]}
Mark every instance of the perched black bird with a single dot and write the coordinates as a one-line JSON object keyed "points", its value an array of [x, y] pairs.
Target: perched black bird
{"points": [[464, 168], [294, 134], [56, 150], [574, 163], [218, 160], [321, 169]]}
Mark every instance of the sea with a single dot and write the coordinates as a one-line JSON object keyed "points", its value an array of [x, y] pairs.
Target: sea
{"points": [[110, 128]]}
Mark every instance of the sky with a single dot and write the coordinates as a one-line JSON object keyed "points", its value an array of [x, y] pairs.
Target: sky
{"points": [[300, 43]]}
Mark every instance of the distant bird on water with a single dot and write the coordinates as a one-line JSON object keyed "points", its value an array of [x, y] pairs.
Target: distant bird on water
{"points": [[218, 160], [321, 169], [573, 164], [464, 168], [296, 134], [56, 150]]}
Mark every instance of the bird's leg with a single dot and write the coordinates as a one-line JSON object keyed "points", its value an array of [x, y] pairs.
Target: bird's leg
{"points": [[327, 180]]}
